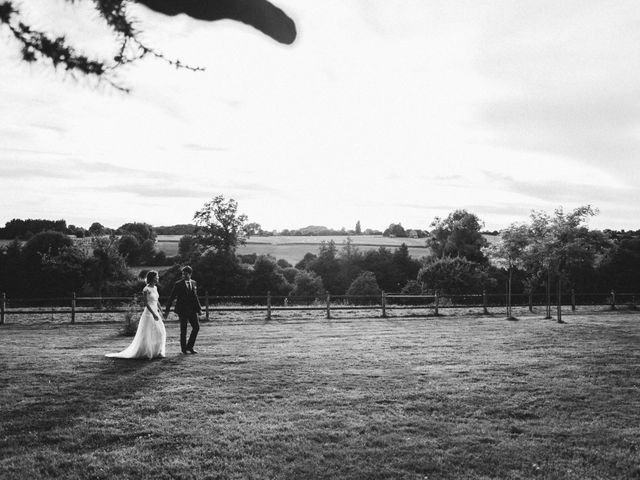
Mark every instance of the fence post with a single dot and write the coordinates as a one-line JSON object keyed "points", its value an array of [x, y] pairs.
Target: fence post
{"points": [[269, 305], [3, 306], [329, 306], [383, 301], [485, 303], [573, 300], [530, 302], [206, 305], [437, 299], [613, 299], [73, 308]]}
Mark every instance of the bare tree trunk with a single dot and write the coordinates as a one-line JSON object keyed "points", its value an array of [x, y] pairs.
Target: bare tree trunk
{"points": [[509, 309], [560, 300], [548, 295]]}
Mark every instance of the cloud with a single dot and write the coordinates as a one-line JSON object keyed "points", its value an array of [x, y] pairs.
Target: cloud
{"points": [[48, 126], [30, 170], [203, 148], [155, 191], [563, 80], [32, 151], [103, 168], [594, 129], [559, 191]]}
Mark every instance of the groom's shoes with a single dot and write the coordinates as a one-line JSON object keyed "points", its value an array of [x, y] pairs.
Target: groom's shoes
{"points": [[184, 351], [192, 351]]}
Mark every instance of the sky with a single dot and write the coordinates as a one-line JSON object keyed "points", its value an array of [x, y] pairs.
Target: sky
{"points": [[380, 112]]}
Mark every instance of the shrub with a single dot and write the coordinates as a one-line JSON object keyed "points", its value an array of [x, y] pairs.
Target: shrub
{"points": [[266, 276], [307, 284], [455, 275], [249, 258], [282, 263], [364, 285], [412, 287], [290, 274], [131, 319]]}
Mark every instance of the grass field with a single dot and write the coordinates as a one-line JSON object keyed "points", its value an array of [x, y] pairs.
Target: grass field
{"points": [[420, 398], [293, 249]]}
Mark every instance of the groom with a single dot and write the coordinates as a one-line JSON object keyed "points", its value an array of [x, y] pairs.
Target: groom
{"points": [[187, 307]]}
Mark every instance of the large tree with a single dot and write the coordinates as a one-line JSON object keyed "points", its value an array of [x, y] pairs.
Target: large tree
{"points": [[142, 231], [220, 225], [37, 45], [327, 266], [458, 235]]}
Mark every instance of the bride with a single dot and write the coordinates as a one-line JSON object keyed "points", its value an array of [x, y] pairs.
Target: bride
{"points": [[150, 338]]}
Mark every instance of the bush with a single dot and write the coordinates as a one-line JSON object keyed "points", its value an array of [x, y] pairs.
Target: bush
{"points": [[455, 275], [412, 288], [364, 285], [290, 274], [266, 277], [249, 258], [307, 284], [282, 263], [131, 319], [129, 248]]}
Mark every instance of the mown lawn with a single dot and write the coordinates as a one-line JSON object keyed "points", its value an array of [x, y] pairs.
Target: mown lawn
{"points": [[446, 397]]}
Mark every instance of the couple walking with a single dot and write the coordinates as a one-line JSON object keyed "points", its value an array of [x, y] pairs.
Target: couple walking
{"points": [[150, 338]]}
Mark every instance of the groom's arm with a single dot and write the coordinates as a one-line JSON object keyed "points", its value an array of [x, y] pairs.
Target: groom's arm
{"points": [[172, 297], [195, 291]]}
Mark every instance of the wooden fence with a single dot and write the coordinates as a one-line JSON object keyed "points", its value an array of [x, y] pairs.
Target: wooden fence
{"points": [[431, 304]]}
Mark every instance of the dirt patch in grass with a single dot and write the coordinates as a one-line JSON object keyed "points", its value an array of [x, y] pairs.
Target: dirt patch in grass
{"points": [[306, 397]]}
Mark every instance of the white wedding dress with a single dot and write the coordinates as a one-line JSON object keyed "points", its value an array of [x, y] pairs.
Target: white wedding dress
{"points": [[151, 335]]}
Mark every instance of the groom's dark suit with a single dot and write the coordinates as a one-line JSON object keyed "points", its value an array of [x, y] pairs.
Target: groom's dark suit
{"points": [[188, 308]]}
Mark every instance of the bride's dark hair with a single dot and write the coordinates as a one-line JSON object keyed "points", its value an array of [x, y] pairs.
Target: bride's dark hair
{"points": [[150, 275]]}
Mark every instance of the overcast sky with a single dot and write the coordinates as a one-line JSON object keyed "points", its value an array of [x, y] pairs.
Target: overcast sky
{"points": [[381, 111]]}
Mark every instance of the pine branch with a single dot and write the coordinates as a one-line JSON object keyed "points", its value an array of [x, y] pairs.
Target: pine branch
{"points": [[37, 46]]}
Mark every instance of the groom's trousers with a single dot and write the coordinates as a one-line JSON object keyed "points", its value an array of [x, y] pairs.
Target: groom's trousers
{"points": [[191, 318]]}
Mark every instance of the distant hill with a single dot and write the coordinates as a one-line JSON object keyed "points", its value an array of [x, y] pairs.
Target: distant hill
{"points": [[313, 230]]}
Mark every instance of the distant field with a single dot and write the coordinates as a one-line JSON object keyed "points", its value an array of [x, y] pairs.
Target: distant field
{"points": [[408, 399], [293, 249]]}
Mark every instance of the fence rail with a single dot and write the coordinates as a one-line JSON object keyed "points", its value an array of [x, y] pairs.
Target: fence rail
{"points": [[384, 302]]}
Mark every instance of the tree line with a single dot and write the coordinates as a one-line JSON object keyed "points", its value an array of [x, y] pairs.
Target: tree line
{"points": [[552, 251]]}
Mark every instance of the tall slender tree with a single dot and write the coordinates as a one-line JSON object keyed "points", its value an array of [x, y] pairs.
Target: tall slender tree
{"points": [[509, 253], [560, 246]]}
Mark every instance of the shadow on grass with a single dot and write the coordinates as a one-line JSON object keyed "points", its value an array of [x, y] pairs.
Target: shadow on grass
{"points": [[52, 406]]}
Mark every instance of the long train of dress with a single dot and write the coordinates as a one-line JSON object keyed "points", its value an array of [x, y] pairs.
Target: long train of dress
{"points": [[150, 338]]}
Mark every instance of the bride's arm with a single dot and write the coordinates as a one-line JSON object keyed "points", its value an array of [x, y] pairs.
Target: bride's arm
{"points": [[148, 306]]}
